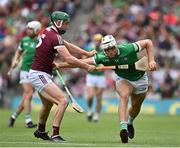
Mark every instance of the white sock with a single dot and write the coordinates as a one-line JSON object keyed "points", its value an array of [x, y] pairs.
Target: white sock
{"points": [[89, 112], [27, 118]]}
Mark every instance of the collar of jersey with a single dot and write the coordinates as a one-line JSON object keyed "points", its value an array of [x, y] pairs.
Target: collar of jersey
{"points": [[53, 28]]}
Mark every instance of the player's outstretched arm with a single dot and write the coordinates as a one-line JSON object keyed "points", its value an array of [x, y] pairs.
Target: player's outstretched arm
{"points": [[15, 61], [67, 65], [73, 61], [148, 45], [16, 58], [75, 49]]}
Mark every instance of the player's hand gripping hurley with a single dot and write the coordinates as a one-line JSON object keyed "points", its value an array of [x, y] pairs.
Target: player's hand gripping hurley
{"points": [[75, 105]]}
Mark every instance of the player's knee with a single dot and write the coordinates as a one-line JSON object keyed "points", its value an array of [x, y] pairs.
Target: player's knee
{"points": [[28, 93], [99, 95], [63, 101], [27, 96], [124, 96]]}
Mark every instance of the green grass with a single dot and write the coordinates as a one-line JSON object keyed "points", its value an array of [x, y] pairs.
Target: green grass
{"points": [[151, 131]]}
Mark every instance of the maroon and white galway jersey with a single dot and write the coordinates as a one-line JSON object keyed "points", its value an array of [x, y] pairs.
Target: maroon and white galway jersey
{"points": [[46, 50]]}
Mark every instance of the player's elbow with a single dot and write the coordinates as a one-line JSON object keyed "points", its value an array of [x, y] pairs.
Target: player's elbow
{"points": [[146, 44], [149, 42]]}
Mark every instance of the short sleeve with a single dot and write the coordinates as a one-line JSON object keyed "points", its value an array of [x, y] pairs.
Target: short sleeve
{"points": [[58, 42], [20, 47], [136, 46], [96, 59]]}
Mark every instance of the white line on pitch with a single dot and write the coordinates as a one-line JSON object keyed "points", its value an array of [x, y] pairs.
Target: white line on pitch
{"points": [[63, 143]]}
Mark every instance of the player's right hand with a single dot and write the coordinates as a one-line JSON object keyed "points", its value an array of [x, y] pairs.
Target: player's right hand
{"points": [[9, 72], [91, 68], [55, 65], [152, 66], [92, 53]]}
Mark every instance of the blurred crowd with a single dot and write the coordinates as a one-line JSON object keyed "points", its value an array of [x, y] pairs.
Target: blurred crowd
{"points": [[14, 15], [133, 20], [128, 21]]}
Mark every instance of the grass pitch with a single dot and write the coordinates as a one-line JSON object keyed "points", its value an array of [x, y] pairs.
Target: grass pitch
{"points": [[151, 131]]}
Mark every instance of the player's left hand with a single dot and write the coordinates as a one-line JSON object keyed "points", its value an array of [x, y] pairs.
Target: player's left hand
{"points": [[55, 65], [91, 53], [152, 66]]}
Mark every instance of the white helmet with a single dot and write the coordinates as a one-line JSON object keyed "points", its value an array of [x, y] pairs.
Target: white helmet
{"points": [[35, 25], [108, 41]]}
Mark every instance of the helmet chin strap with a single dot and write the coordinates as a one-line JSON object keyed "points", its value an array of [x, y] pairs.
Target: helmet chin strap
{"points": [[58, 27]]}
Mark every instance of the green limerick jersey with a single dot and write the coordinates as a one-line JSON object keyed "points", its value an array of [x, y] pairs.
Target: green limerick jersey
{"points": [[28, 46], [96, 73], [127, 54]]}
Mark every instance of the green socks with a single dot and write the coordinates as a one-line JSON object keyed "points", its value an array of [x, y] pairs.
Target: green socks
{"points": [[130, 120], [14, 115]]}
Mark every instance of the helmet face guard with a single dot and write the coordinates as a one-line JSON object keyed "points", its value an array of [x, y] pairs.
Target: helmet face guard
{"points": [[108, 41], [63, 17]]}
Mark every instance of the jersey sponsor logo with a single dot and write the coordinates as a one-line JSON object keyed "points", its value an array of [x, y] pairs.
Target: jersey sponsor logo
{"points": [[32, 45], [26, 44], [116, 60], [105, 60], [125, 59]]}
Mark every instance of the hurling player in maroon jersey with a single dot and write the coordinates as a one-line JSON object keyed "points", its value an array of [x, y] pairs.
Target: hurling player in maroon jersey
{"points": [[49, 45]]}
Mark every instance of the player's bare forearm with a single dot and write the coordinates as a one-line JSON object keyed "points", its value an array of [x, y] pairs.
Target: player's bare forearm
{"points": [[68, 65], [71, 60], [64, 65], [78, 63], [75, 49], [148, 45], [16, 58]]}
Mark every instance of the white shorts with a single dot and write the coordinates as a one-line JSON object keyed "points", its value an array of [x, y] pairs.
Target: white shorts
{"points": [[24, 77], [139, 86], [95, 81], [39, 79]]}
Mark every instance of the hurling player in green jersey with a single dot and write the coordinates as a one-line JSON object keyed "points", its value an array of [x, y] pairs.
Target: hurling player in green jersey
{"points": [[130, 83], [95, 83], [26, 51]]}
